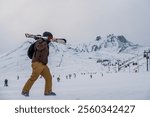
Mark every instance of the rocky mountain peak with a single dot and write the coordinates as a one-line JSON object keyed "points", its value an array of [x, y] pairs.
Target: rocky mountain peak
{"points": [[110, 43]]}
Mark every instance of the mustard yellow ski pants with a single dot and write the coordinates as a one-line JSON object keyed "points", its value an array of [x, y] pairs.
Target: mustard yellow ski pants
{"points": [[37, 70]]}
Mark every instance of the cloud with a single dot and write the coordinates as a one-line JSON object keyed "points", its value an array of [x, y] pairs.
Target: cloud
{"points": [[76, 20]]}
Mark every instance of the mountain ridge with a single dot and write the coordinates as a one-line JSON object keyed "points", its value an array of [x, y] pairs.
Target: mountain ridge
{"points": [[111, 43], [99, 53]]}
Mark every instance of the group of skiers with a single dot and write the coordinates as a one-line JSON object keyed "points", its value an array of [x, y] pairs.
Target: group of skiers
{"points": [[76, 75]]}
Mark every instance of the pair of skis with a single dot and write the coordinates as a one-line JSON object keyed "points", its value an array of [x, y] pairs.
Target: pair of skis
{"points": [[36, 37]]}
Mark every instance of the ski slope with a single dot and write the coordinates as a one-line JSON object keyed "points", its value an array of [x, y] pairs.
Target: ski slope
{"points": [[106, 86], [81, 78]]}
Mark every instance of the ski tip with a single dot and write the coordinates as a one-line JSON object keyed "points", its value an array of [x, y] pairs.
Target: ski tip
{"points": [[26, 34], [65, 40]]}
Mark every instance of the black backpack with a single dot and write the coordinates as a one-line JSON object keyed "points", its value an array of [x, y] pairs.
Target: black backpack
{"points": [[30, 51]]}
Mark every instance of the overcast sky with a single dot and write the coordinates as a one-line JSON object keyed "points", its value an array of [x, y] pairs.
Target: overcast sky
{"points": [[75, 20]]}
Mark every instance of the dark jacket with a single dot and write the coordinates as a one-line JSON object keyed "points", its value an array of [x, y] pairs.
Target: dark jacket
{"points": [[41, 51]]}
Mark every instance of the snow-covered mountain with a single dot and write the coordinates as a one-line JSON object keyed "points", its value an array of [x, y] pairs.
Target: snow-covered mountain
{"points": [[101, 67], [112, 51], [111, 43]]}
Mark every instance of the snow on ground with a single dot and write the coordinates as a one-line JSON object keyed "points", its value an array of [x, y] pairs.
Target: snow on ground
{"points": [[106, 86], [89, 79]]}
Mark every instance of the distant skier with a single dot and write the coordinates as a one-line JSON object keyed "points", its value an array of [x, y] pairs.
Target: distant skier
{"points": [[17, 77], [66, 77], [102, 74], [39, 66], [91, 76], [58, 78], [69, 76], [74, 75], [5, 83]]}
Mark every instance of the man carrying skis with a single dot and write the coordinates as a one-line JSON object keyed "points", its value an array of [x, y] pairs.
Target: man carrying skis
{"points": [[39, 66]]}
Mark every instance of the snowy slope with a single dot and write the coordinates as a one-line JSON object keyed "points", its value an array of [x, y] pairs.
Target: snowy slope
{"points": [[84, 75], [109, 86]]}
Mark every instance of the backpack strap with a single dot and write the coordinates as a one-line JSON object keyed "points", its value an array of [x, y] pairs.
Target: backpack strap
{"points": [[42, 41]]}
